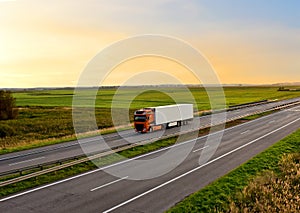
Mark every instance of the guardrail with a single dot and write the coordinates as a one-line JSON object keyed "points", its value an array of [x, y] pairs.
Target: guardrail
{"points": [[238, 106], [72, 163], [82, 158], [295, 103], [40, 166]]}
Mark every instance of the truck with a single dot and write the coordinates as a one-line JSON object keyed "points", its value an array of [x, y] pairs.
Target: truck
{"points": [[155, 118]]}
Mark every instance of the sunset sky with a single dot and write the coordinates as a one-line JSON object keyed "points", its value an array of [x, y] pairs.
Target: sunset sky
{"points": [[47, 43]]}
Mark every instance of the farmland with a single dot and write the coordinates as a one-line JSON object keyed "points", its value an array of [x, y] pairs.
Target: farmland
{"points": [[46, 115], [154, 96]]}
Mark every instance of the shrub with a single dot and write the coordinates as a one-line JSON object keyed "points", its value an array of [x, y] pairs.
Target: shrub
{"points": [[272, 192], [8, 108], [6, 131]]}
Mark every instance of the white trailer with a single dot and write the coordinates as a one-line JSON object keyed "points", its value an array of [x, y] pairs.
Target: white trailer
{"points": [[155, 118], [173, 113]]}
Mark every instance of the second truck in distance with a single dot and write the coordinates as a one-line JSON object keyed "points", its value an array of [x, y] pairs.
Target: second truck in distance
{"points": [[155, 118]]}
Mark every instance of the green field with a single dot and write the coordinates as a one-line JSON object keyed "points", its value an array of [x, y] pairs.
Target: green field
{"points": [[153, 97], [46, 115]]}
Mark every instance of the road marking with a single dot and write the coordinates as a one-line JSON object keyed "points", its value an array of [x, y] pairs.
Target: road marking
{"points": [[245, 132], [272, 121], [107, 184], [197, 168], [128, 160], [293, 110], [196, 150], [25, 161]]}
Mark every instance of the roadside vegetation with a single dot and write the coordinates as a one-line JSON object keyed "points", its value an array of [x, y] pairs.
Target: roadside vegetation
{"points": [[37, 126], [269, 182], [8, 108], [271, 191], [45, 116]]}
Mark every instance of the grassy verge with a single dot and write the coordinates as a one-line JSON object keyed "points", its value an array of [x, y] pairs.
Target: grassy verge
{"points": [[252, 117], [216, 197], [52, 141], [40, 126]]}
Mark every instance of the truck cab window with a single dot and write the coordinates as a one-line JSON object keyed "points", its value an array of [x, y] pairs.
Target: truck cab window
{"points": [[140, 118]]}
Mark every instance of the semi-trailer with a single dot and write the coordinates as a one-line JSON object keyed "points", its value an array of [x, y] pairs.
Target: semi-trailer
{"points": [[154, 118]]}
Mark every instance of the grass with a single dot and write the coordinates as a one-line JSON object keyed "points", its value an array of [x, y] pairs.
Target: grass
{"points": [[45, 117], [252, 117], [36, 126], [217, 196]]}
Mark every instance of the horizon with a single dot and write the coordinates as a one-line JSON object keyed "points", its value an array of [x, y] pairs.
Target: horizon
{"points": [[285, 84]]}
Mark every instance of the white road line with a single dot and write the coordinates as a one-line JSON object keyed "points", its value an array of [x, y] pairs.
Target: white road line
{"points": [[272, 121], [196, 150], [128, 160], [25, 161], [197, 168], [293, 110], [245, 132], [107, 184]]}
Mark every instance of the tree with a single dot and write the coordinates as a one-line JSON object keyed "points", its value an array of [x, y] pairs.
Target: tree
{"points": [[8, 108]]}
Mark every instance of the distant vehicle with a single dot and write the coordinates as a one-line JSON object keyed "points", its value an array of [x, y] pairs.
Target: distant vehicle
{"points": [[161, 117]]}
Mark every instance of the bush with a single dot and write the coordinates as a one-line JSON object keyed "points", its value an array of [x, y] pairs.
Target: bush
{"points": [[8, 108], [6, 131], [273, 192]]}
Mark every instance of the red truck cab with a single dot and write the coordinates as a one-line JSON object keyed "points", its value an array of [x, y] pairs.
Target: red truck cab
{"points": [[143, 119]]}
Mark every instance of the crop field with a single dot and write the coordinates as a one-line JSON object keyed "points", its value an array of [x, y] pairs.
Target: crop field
{"points": [[152, 97], [46, 115]]}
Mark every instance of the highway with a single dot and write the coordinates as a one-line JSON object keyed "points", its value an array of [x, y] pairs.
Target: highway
{"points": [[32, 157], [98, 191]]}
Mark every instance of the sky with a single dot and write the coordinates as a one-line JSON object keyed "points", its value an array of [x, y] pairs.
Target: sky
{"points": [[47, 43]]}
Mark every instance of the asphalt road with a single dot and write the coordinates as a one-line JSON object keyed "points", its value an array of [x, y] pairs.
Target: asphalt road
{"points": [[93, 145], [98, 191]]}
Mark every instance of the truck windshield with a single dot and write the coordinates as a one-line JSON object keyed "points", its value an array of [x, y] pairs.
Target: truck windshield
{"points": [[140, 118]]}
